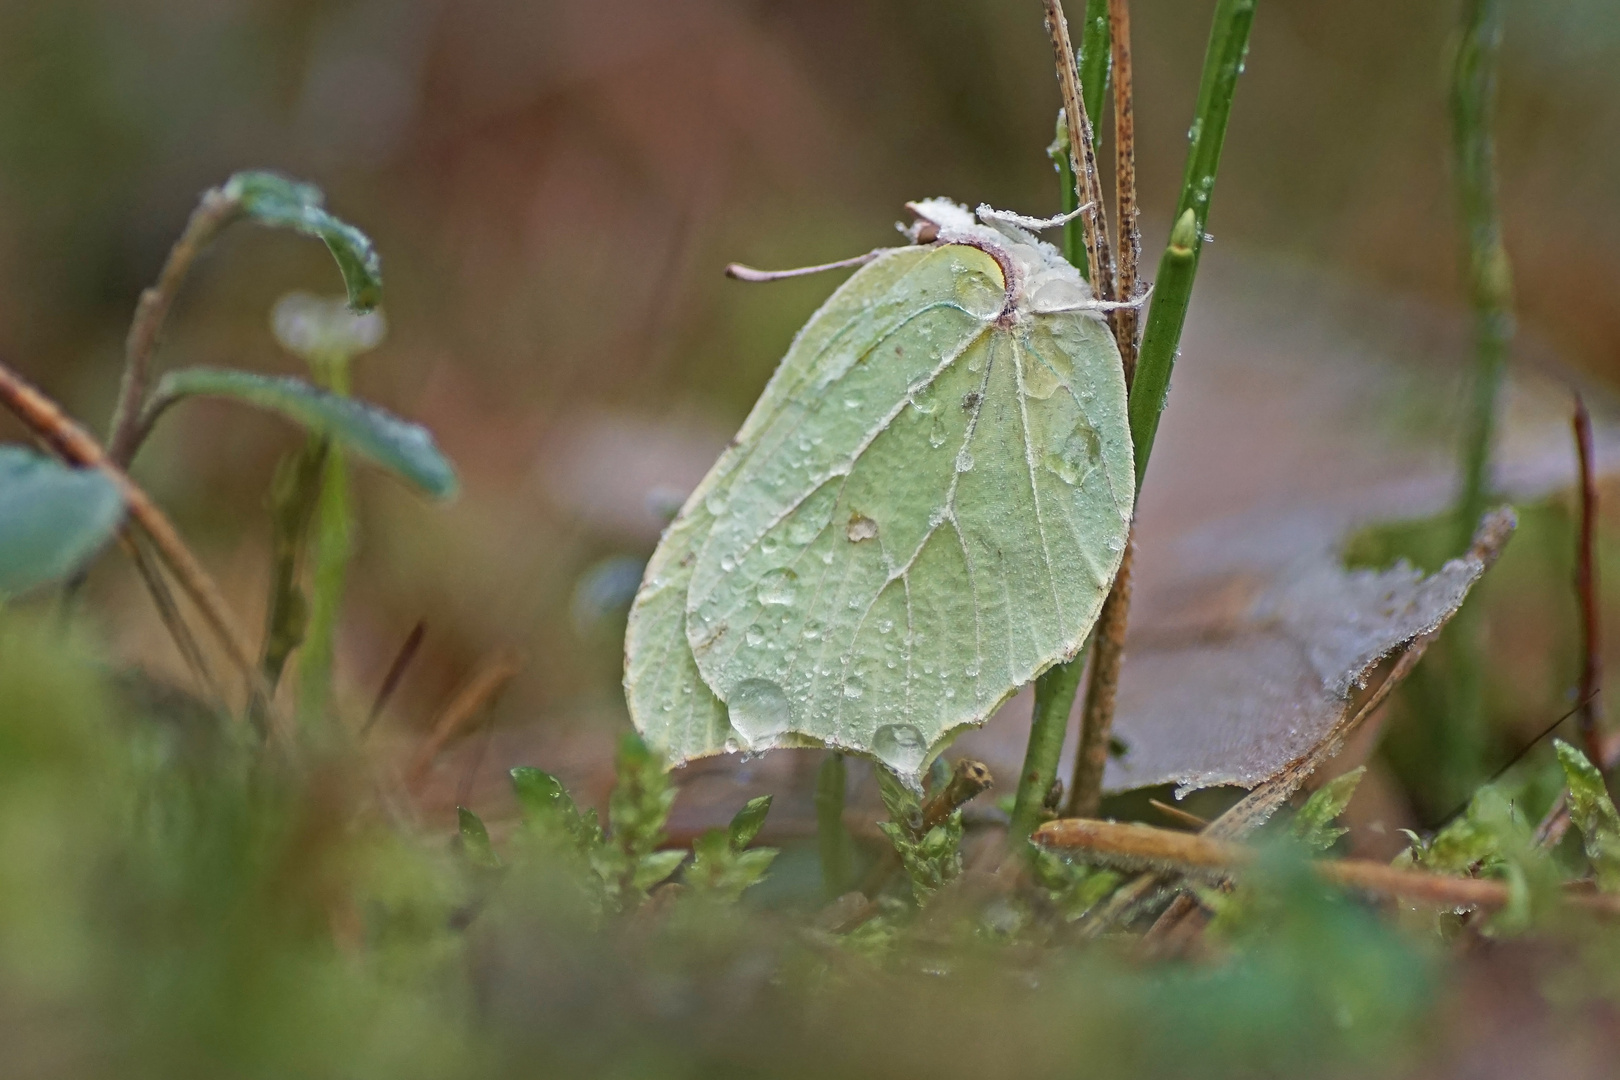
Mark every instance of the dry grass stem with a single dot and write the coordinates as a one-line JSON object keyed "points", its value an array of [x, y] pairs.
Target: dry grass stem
{"points": [[1102, 690], [1083, 154], [75, 446], [478, 692], [213, 213]]}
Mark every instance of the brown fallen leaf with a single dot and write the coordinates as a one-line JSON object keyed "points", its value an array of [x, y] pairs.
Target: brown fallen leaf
{"points": [[1280, 677]]}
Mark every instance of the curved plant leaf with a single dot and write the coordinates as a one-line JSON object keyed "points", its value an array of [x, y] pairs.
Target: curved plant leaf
{"points": [[52, 518], [398, 445], [280, 202]]}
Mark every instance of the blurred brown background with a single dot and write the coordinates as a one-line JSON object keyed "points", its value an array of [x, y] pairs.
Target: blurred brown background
{"points": [[554, 187]]}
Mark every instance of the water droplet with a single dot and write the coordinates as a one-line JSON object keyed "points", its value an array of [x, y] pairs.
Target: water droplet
{"points": [[885, 625], [971, 671], [853, 688], [937, 435], [779, 588], [813, 516], [727, 563], [964, 461], [861, 528], [812, 630], [900, 746], [759, 710], [769, 543], [715, 504], [1116, 543], [1080, 453], [852, 403], [754, 638], [732, 746]]}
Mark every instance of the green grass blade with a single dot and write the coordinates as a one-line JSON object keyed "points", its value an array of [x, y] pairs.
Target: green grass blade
{"points": [[1488, 273], [1167, 314], [1095, 62]]}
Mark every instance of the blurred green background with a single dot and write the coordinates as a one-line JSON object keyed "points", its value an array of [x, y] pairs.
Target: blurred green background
{"points": [[554, 187]]}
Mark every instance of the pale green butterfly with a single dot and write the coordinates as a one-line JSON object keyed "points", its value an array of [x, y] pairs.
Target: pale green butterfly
{"points": [[923, 511]]}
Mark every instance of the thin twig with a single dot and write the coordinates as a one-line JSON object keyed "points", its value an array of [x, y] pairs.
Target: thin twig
{"points": [[163, 599], [479, 692], [968, 780], [1586, 589], [215, 211], [74, 444], [1178, 815], [1137, 846]]}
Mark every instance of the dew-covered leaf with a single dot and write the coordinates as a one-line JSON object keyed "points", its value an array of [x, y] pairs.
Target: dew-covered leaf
{"points": [[923, 511], [1592, 812], [52, 518], [404, 448], [279, 202]]}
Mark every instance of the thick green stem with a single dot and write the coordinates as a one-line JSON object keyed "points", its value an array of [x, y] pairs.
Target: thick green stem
{"points": [[1054, 701], [1489, 280], [833, 840], [333, 542]]}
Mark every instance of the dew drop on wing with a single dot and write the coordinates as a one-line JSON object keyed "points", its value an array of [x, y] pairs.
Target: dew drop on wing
{"points": [[938, 435], [759, 711], [900, 746], [779, 588], [1079, 453]]}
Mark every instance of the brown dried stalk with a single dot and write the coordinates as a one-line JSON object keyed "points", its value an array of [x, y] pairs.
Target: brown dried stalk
{"points": [[1082, 154], [215, 211], [1102, 691], [1137, 846], [1124, 320], [1589, 710], [1586, 589], [74, 445], [1108, 651]]}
